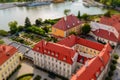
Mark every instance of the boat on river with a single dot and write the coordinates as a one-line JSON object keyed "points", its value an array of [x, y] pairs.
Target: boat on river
{"points": [[38, 3]]}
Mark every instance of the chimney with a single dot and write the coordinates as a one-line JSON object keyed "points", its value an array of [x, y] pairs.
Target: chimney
{"points": [[109, 33], [65, 18]]}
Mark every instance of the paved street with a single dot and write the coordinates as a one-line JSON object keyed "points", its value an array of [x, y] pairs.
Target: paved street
{"points": [[7, 40], [117, 71], [27, 67]]}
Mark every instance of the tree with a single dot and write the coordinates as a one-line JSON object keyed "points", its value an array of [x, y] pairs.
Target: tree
{"points": [[78, 15], [3, 33], [13, 27], [107, 14], [85, 16], [112, 67], [86, 28], [27, 22], [116, 56], [20, 28], [46, 29], [38, 22], [73, 32], [67, 11]]}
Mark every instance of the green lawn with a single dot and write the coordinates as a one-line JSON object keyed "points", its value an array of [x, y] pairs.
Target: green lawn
{"points": [[26, 78]]}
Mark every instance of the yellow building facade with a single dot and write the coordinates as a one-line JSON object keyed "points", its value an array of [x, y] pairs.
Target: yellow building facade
{"points": [[9, 65], [66, 25]]}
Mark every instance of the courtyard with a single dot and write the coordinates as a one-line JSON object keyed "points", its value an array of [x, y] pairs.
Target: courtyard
{"points": [[27, 67]]}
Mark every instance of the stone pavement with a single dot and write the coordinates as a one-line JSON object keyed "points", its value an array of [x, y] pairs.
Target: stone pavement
{"points": [[116, 75], [28, 67]]}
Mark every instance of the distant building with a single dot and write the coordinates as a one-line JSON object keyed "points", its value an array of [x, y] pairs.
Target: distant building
{"points": [[66, 25], [9, 60], [58, 1], [107, 30], [71, 54]]}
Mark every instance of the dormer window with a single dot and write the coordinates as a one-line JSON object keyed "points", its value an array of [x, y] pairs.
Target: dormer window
{"points": [[73, 24], [48, 52], [68, 26], [56, 55], [44, 51], [101, 68], [78, 21], [37, 48], [64, 58], [52, 53], [97, 74]]}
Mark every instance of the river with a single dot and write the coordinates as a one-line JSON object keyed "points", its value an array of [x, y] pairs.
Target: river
{"points": [[54, 10]]}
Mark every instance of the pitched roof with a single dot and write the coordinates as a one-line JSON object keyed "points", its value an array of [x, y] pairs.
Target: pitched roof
{"points": [[113, 21], [58, 51], [6, 52], [106, 35], [94, 66], [72, 40], [67, 22]]}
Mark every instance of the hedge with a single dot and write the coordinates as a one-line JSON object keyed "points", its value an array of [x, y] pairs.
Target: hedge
{"points": [[29, 74]]}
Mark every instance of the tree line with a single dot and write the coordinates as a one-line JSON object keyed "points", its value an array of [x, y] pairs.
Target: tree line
{"points": [[15, 0], [113, 3]]}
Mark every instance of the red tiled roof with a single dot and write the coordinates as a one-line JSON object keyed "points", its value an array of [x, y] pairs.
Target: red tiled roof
{"points": [[94, 66], [6, 52], [72, 40], [67, 23], [113, 21], [105, 34], [90, 44], [60, 50]]}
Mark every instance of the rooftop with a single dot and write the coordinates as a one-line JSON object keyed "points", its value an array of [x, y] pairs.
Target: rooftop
{"points": [[67, 22], [6, 52]]}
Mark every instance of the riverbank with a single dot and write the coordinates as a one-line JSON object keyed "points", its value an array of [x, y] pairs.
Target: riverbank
{"points": [[6, 5]]}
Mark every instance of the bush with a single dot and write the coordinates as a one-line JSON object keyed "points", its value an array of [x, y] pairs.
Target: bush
{"points": [[3, 33], [108, 78], [116, 56], [37, 77], [45, 79], [112, 67], [30, 74], [114, 61], [1, 41], [110, 73]]}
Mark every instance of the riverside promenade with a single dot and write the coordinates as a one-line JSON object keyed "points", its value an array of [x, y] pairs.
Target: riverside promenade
{"points": [[6, 5]]}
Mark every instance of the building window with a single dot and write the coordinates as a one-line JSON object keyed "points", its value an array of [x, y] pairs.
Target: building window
{"points": [[90, 50], [48, 52], [44, 51], [56, 54]]}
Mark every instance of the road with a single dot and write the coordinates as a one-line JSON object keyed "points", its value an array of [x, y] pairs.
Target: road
{"points": [[116, 75]]}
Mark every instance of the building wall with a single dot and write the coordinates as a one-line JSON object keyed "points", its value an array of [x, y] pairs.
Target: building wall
{"points": [[58, 32], [9, 66], [74, 29], [86, 50], [104, 40], [96, 26], [104, 72], [54, 65], [66, 33]]}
